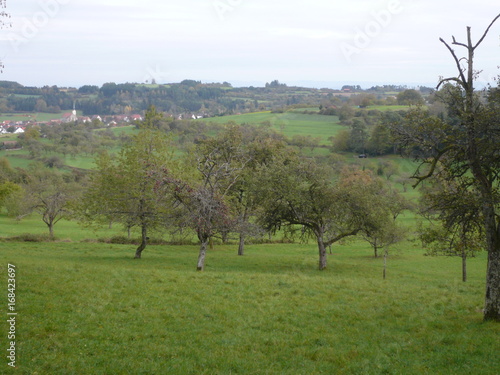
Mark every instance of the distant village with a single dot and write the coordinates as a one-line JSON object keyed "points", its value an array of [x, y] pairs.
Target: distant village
{"points": [[19, 127]]}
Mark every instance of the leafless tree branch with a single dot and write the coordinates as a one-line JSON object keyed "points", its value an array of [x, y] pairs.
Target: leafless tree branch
{"points": [[462, 81], [486, 32]]}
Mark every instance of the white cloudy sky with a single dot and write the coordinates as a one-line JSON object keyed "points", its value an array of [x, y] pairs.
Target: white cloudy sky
{"points": [[325, 43]]}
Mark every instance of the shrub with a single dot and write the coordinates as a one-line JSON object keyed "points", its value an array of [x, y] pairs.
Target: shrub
{"points": [[30, 237]]}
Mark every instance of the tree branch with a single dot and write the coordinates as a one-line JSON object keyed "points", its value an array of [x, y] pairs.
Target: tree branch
{"points": [[341, 236], [459, 44], [486, 32], [463, 81], [447, 80], [433, 166]]}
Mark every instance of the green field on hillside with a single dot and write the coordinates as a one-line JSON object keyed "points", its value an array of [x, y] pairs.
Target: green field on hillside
{"points": [[87, 308], [289, 123], [20, 158], [385, 108]]}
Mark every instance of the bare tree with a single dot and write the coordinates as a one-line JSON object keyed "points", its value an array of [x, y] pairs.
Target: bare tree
{"points": [[465, 145]]}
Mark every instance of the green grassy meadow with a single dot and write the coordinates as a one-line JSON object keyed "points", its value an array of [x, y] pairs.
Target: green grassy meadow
{"points": [[88, 308], [289, 123], [385, 108], [21, 159]]}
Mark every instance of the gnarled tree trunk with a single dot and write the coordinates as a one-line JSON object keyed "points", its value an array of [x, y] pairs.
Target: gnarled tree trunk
{"points": [[144, 242], [202, 254], [51, 229], [322, 253], [241, 246], [464, 266], [492, 300]]}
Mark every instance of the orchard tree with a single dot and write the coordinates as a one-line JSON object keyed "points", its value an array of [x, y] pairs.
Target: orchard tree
{"points": [[340, 142], [460, 240], [205, 211], [8, 190], [380, 142], [123, 189], [261, 146], [384, 230], [358, 136], [204, 198], [452, 210], [48, 194], [465, 144], [298, 192], [410, 97]]}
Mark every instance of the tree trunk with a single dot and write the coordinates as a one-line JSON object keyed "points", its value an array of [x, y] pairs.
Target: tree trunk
{"points": [[375, 247], [51, 229], [202, 255], [322, 253], [144, 242], [225, 237], [244, 219], [241, 247], [464, 267], [385, 264], [492, 232], [492, 301]]}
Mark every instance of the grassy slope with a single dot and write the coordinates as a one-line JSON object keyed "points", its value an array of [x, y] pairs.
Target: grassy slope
{"points": [[91, 309], [289, 123]]}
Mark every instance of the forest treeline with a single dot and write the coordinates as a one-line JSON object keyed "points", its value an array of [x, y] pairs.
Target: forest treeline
{"points": [[188, 96]]}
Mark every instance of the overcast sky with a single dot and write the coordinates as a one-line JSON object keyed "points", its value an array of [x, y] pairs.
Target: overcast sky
{"points": [[323, 43]]}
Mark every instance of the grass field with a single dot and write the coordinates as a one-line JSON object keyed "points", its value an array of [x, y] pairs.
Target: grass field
{"points": [[385, 108], [289, 123], [19, 158], [90, 309]]}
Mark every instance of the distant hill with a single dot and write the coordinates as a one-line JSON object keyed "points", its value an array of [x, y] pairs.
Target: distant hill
{"points": [[186, 98]]}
